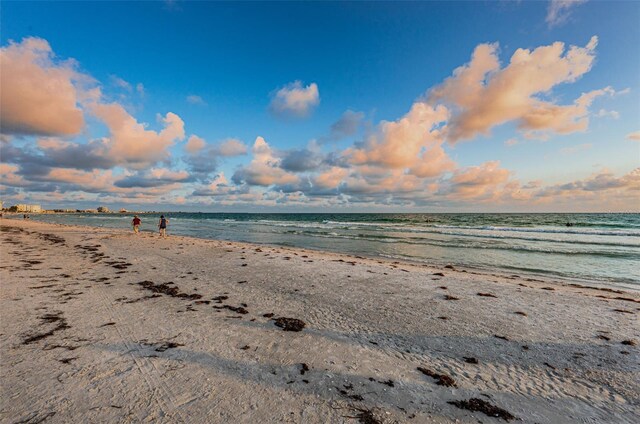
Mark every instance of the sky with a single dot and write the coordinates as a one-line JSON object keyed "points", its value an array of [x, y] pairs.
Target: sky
{"points": [[492, 106]]}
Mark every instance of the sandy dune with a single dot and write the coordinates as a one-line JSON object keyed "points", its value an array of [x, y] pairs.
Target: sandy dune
{"points": [[100, 326]]}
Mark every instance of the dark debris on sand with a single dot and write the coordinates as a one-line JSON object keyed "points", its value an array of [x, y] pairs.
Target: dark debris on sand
{"points": [[470, 360], [47, 319], [487, 295], [441, 379], [237, 309], [220, 299], [290, 324], [162, 346], [169, 291], [365, 416], [479, 405]]}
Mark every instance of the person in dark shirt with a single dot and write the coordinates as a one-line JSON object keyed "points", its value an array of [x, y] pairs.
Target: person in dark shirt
{"points": [[136, 224], [162, 226]]}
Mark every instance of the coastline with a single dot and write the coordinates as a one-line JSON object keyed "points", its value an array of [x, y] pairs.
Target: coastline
{"points": [[505, 271], [159, 353]]}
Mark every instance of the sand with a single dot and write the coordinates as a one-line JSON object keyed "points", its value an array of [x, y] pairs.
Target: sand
{"points": [[105, 326]]}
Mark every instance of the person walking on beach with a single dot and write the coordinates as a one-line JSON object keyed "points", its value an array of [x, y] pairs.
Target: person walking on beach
{"points": [[136, 224], [162, 226]]}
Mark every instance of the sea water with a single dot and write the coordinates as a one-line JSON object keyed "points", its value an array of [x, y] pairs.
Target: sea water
{"points": [[602, 248]]}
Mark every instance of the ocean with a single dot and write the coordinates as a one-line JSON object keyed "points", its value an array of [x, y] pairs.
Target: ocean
{"points": [[599, 248]]}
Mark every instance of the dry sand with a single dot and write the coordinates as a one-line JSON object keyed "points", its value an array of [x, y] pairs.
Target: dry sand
{"points": [[82, 340]]}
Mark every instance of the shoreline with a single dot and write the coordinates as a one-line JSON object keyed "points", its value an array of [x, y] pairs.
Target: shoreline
{"points": [[546, 278], [102, 325]]}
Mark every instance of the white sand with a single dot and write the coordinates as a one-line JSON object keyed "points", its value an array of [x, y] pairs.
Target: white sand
{"points": [[367, 320]]}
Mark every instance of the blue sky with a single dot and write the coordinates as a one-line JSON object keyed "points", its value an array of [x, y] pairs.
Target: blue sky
{"points": [[219, 68]]}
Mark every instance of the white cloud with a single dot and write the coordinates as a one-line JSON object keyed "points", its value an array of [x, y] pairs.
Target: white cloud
{"points": [[264, 169], [558, 11], [602, 113], [196, 100], [120, 83], [294, 100], [576, 149], [232, 147]]}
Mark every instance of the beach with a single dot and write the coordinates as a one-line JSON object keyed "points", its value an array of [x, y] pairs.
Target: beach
{"points": [[102, 325]]}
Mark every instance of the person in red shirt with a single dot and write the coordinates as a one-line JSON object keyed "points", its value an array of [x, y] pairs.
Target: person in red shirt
{"points": [[136, 223]]}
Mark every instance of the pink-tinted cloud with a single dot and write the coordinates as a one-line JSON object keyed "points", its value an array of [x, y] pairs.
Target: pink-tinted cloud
{"points": [[413, 142], [195, 144], [264, 169], [9, 176], [232, 147], [484, 95], [130, 142], [38, 94], [101, 181], [295, 100], [477, 181], [634, 136], [331, 178]]}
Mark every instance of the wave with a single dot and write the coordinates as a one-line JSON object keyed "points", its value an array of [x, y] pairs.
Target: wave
{"points": [[482, 246], [546, 230], [411, 227]]}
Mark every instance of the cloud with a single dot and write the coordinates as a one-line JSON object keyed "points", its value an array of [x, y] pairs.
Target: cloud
{"points": [[300, 160], [483, 95], [220, 187], [203, 159], [395, 163], [196, 100], [130, 143], [120, 83], [140, 89], [264, 169], [558, 11], [602, 113], [576, 149], [232, 147], [75, 179], [153, 178], [601, 182], [195, 144], [634, 136], [348, 125], [38, 95], [412, 142], [9, 176], [331, 178], [294, 100], [476, 181]]}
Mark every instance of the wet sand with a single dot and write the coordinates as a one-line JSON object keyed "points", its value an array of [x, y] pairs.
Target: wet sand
{"points": [[104, 326]]}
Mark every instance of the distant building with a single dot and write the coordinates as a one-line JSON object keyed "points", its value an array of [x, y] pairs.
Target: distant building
{"points": [[123, 210], [29, 208], [103, 209], [1, 205]]}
